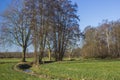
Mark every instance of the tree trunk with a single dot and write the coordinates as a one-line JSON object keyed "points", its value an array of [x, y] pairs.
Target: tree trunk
{"points": [[35, 54], [41, 56], [24, 54], [56, 56], [49, 54]]}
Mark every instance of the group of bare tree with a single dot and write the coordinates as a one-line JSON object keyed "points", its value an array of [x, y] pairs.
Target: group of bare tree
{"points": [[102, 41], [49, 25]]}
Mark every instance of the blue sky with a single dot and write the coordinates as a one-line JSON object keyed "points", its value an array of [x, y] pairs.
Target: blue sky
{"points": [[91, 12], [4, 4]]}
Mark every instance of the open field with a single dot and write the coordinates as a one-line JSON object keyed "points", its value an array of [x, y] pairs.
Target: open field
{"points": [[73, 70], [83, 69], [7, 72]]}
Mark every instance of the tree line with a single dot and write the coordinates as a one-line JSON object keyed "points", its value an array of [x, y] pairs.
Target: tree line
{"points": [[50, 25], [102, 41]]}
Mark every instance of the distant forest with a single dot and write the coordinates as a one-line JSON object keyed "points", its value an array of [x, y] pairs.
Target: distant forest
{"points": [[102, 41]]}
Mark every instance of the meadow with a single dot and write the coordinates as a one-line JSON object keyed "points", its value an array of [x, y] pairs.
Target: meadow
{"points": [[8, 73], [69, 70], [82, 70]]}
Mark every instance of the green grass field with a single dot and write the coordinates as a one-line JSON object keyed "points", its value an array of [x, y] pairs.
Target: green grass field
{"points": [[7, 72], [74, 70], [82, 70]]}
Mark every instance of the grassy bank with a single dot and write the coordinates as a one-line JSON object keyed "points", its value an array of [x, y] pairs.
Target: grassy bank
{"points": [[7, 72], [71, 70], [82, 70]]}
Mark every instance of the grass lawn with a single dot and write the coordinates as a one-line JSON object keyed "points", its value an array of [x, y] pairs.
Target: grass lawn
{"points": [[7, 72], [74, 70], [82, 69]]}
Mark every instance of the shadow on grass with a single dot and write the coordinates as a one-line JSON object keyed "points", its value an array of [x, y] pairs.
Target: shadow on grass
{"points": [[7, 62], [47, 62]]}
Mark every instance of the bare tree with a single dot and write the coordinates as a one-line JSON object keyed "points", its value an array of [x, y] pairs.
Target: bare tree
{"points": [[65, 28], [53, 24], [102, 41], [16, 28]]}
